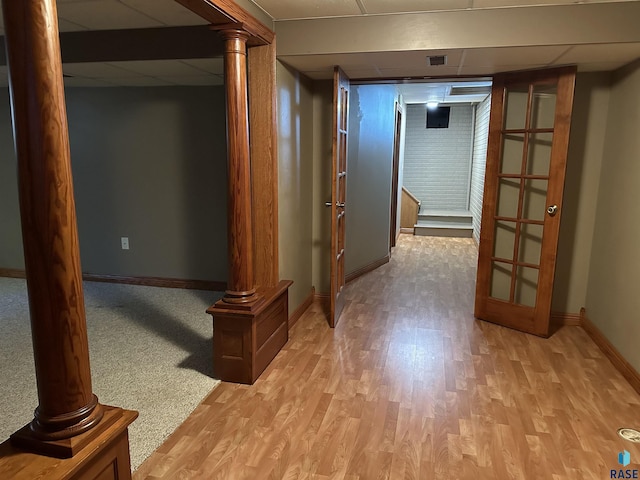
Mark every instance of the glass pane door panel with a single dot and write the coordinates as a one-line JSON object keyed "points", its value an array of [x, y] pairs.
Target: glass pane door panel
{"points": [[526, 286], [534, 202], [539, 157], [501, 280], [543, 106], [505, 240], [508, 194], [530, 243], [515, 107], [512, 152]]}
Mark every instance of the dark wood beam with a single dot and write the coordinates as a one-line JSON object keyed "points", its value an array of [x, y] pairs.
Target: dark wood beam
{"points": [[220, 12], [165, 43]]}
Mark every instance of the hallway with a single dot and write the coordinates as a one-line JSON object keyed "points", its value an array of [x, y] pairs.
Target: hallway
{"points": [[410, 386]]}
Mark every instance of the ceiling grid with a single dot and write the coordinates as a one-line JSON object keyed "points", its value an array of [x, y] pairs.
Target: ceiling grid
{"points": [[85, 15]]}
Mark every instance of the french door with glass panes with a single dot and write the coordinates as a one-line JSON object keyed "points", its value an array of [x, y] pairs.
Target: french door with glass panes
{"points": [[524, 182]]}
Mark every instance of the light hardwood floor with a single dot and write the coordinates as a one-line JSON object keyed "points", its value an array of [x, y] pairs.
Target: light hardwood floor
{"points": [[410, 386]]}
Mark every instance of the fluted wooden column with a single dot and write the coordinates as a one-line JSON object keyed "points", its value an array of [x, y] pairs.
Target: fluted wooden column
{"points": [[241, 283], [67, 405]]}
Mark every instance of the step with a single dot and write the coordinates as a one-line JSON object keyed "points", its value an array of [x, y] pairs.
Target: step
{"points": [[444, 223], [425, 229], [446, 217]]}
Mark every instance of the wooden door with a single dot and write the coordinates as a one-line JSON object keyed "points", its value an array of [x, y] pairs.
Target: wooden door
{"points": [[526, 160], [338, 192]]}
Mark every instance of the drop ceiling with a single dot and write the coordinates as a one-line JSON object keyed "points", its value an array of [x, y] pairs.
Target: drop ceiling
{"points": [[97, 15]]}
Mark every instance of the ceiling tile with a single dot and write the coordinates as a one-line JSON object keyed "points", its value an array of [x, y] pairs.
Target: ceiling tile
{"points": [[288, 9], [418, 72], [169, 12], [489, 70], [86, 82], [210, 65], [361, 72], [517, 3], [140, 81], [203, 80], [385, 6], [319, 75], [415, 58], [67, 26], [104, 15], [493, 57], [610, 52], [96, 70]]}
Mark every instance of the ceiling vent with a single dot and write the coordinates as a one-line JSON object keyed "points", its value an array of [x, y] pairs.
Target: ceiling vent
{"points": [[437, 60], [470, 90]]}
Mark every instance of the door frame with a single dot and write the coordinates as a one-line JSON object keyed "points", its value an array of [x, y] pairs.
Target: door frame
{"points": [[395, 172]]}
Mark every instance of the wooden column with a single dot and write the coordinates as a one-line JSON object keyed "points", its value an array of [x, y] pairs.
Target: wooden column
{"points": [[54, 280], [68, 417], [250, 322], [241, 283]]}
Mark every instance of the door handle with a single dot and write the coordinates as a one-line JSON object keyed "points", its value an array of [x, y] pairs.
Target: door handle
{"points": [[330, 204], [552, 210]]}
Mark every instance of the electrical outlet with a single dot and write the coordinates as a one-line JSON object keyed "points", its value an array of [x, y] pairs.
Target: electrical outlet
{"points": [[124, 242]]}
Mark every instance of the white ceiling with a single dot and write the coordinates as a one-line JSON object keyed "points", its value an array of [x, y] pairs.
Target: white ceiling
{"points": [[77, 15], [299, 9], [445, 92]]}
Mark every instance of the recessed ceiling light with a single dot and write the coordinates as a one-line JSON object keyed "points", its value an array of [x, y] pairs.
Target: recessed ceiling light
{"points": [[432, 105]]}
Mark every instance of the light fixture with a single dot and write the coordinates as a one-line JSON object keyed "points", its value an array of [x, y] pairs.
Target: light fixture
{"points": [[432, 105]]}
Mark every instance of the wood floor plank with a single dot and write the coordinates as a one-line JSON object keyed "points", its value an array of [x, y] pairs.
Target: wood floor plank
{"points": [[410, 386]]}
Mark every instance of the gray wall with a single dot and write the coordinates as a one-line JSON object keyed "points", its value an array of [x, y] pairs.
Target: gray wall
{"points": [[11, 254], [295, 181], [584, 164], [437, 161], [479, 163], [369, 165], [149, 164], [612, 300], [322, 144]]}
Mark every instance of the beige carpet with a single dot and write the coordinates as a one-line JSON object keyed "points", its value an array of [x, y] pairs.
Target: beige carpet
{"points": [[151, 351]]}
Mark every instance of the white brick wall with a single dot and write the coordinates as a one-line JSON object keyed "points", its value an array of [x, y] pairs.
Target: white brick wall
{"points": [[437, 160], [479, 163]]}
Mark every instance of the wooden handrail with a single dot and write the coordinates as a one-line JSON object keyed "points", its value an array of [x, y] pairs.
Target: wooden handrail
{"points": [[409, 209], [411, 195]]}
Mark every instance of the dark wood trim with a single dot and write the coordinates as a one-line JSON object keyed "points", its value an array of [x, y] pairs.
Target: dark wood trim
{"points": [[611, 352], [295, 316], [566, 319], [213, 285], [221, 12], [367, 268], [12, 273]]}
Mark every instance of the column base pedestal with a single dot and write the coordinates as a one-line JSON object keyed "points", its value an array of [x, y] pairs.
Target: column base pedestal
{"points": [[246, 337], [100, 453]]}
